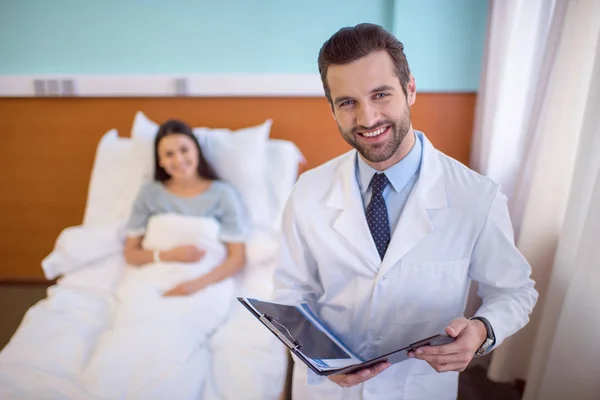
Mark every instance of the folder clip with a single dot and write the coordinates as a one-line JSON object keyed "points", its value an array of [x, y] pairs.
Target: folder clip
{"points": [[287, 338]]}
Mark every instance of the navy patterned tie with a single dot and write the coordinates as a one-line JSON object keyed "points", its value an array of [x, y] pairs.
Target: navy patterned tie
{"points": [[377, 215]]}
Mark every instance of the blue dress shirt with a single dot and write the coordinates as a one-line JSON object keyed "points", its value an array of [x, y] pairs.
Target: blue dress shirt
{"points": [[402, 176]]}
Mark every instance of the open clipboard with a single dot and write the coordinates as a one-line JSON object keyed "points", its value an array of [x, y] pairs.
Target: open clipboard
{"points": [[313, 343]]}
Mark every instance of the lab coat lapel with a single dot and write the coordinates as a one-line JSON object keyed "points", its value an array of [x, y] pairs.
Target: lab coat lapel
{"points": [[415, 223], [351, 223]]}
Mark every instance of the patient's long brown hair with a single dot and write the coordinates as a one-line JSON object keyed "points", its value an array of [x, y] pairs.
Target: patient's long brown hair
{"points": [[172, 127]]}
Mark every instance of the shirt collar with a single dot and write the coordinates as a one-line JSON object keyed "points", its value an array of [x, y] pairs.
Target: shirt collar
{"points": [[398, 174]]}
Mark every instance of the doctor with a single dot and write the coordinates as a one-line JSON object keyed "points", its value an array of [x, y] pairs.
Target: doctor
{"points": [[386, 238]]}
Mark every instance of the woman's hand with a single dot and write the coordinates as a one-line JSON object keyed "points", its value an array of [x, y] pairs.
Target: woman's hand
{"points": [[233, 264], [187, 288], [183, 254]]}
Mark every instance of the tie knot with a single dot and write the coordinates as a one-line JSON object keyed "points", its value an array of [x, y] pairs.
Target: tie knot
{"points": [[379, 182]]}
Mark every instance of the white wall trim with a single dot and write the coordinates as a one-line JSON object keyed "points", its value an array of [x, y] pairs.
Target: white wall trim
{"points": [[202, 85]]}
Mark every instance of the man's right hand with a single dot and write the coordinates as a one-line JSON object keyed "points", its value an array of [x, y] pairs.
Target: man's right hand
{"points": [[349, 380], [183, 254]]}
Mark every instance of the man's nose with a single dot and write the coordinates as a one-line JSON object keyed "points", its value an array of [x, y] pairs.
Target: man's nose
{"points": [[367, 115]]}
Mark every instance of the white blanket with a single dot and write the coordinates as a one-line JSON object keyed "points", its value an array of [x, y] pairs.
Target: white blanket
{"points": [[153, 336], [105, 331], [127, 340]]}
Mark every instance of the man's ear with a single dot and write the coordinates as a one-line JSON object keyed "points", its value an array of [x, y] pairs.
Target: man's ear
{"points": [[411, 90]]}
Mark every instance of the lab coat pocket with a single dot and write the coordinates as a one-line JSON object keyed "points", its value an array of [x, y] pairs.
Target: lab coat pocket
{"points": [[431, 291]]}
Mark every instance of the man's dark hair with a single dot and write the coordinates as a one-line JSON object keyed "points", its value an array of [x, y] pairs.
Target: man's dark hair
{"points": [[352, 43]]}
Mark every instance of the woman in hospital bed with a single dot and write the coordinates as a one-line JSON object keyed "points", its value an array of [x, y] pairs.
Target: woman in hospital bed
{"points": [[186, 184], [185, 242]]}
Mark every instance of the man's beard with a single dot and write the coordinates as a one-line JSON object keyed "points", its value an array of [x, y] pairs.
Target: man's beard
{"points": [[378, 152]]}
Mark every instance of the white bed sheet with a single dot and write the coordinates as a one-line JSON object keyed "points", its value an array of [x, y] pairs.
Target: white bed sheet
{"points": [[45, 357]]}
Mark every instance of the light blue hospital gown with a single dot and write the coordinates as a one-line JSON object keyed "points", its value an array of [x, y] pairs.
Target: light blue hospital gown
{"points": [[220, 201]]}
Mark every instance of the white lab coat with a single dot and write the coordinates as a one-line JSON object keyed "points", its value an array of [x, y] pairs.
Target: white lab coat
{"points": [[454, 228]]}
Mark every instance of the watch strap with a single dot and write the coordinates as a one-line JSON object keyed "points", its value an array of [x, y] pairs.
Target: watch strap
{"points": [[490, 339]]}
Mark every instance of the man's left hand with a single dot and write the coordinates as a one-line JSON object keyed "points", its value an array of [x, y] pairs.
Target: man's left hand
{"points": [[469, 336]]}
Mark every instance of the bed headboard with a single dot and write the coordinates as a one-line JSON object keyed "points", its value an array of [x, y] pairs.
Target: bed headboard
{"points": [[49, 144]]}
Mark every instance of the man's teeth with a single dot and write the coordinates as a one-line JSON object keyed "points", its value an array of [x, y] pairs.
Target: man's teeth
{"points": [[374, 133]]}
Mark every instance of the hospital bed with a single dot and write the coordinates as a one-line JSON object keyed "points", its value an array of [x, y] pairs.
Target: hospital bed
{"points": [[48, 352]]}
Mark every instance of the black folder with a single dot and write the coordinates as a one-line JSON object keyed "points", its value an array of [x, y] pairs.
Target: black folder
{"points": [[311, 341]]}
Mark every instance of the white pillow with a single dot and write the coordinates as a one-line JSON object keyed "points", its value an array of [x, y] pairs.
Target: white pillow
{"points": [[238, 157], [284, 158], [115, 178], [113, 183]]}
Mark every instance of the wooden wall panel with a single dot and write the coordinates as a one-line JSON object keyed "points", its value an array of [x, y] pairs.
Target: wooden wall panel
{"points": [[48, 146]]}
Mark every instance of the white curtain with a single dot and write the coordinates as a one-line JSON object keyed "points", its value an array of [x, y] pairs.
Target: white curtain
{"points": [[565, 360], [537, 133]]}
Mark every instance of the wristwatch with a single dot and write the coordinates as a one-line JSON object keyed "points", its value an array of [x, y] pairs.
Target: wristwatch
{"points": [[489, 341]]}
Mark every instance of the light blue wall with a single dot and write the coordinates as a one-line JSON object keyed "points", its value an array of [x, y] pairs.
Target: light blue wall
{"points": [[443, 41], [233, 36]]}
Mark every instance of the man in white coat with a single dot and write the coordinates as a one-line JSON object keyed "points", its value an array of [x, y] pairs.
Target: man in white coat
{"points": [[386, 239]]}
